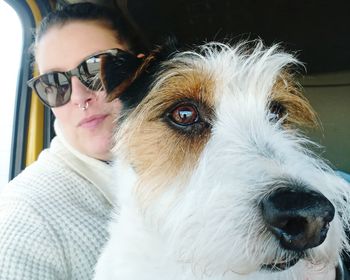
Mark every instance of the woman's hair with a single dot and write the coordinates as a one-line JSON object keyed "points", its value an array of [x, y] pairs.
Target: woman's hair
{"points": [[113, 18]]}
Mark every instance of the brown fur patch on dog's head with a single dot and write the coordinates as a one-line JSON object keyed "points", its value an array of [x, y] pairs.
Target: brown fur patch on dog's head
{"points": [[288, 94], [153, 143]]}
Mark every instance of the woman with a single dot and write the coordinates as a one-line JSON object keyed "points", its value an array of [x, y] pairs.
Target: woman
{"points": [[53, 215]]}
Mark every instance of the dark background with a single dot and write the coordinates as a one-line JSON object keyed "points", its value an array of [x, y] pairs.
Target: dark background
{"points": [[318, 30]]}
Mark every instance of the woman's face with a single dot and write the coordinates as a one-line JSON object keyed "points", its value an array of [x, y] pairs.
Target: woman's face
{"points": [[63, 48]]}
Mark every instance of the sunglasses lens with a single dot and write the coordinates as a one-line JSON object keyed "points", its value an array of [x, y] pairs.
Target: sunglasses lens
{"points": [[115, 66], [89, 73], [53, 89]]}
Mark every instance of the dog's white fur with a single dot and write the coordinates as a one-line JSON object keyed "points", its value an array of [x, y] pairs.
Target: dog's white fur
{"points": [[205, 222]]}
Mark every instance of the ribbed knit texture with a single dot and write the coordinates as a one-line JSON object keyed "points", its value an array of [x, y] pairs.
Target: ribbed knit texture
{"points": [[53, 221]]}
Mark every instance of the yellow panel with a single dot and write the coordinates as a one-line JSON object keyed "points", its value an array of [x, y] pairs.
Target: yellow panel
{"points": [[35, 140]]}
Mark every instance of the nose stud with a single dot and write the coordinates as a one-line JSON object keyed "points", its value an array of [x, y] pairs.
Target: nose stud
{"points": [[84, 107]]}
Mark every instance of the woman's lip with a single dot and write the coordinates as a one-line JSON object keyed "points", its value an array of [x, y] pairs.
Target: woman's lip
{"points": [[92, 121]]}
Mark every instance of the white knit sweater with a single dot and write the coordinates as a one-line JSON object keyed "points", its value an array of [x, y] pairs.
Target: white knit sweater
{"points": [[53, 216]]}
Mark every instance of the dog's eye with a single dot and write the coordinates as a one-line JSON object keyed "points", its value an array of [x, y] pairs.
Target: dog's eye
{"points": [[277, 111], [184, 114], [189, 117]]}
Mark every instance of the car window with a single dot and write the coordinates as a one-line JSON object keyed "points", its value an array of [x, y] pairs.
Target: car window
{"points": [[10, 50], [328, 93]]}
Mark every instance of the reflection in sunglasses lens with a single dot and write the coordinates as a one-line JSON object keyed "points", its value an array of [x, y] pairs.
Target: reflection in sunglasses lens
{"points": [[89, 73], [53, 89]]}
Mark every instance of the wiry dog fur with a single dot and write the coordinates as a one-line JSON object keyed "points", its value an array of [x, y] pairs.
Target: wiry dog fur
{"points": [[212, 138]]}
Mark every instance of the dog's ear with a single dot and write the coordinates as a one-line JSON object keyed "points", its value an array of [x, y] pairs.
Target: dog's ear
{"points": [[117, 69], [130, 83]]}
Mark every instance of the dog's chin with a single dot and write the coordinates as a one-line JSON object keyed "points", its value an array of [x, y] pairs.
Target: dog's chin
{"points": [[280, 266]]}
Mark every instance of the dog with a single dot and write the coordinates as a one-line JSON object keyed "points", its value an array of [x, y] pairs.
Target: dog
{"points": [[214, 178]]}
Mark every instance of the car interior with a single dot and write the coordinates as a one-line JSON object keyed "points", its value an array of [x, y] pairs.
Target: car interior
{"points": [[317, 32]]}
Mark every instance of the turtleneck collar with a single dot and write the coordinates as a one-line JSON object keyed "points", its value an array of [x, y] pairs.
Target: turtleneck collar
{"points": [[99, 173]]}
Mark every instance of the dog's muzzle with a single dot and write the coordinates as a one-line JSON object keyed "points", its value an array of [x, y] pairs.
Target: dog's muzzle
{"points": [[298, 217]]}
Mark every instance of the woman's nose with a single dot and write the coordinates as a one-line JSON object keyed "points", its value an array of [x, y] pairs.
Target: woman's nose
{"points": [[80, 93]]}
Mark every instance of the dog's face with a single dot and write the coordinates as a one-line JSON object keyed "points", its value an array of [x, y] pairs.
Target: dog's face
{"points": [[220, 170]]}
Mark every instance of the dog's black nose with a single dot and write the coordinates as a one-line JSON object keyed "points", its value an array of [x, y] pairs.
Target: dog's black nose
{"points": [[298, 217]]}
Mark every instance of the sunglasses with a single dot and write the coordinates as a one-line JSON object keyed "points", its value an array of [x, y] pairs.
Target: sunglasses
{"points": [[55, 88]]}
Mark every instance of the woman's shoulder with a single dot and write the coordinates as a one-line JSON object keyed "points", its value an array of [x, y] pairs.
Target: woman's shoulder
{"points": [[57, 194], [49, 182], [56, 183], [50, 206], [47, 174]]}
